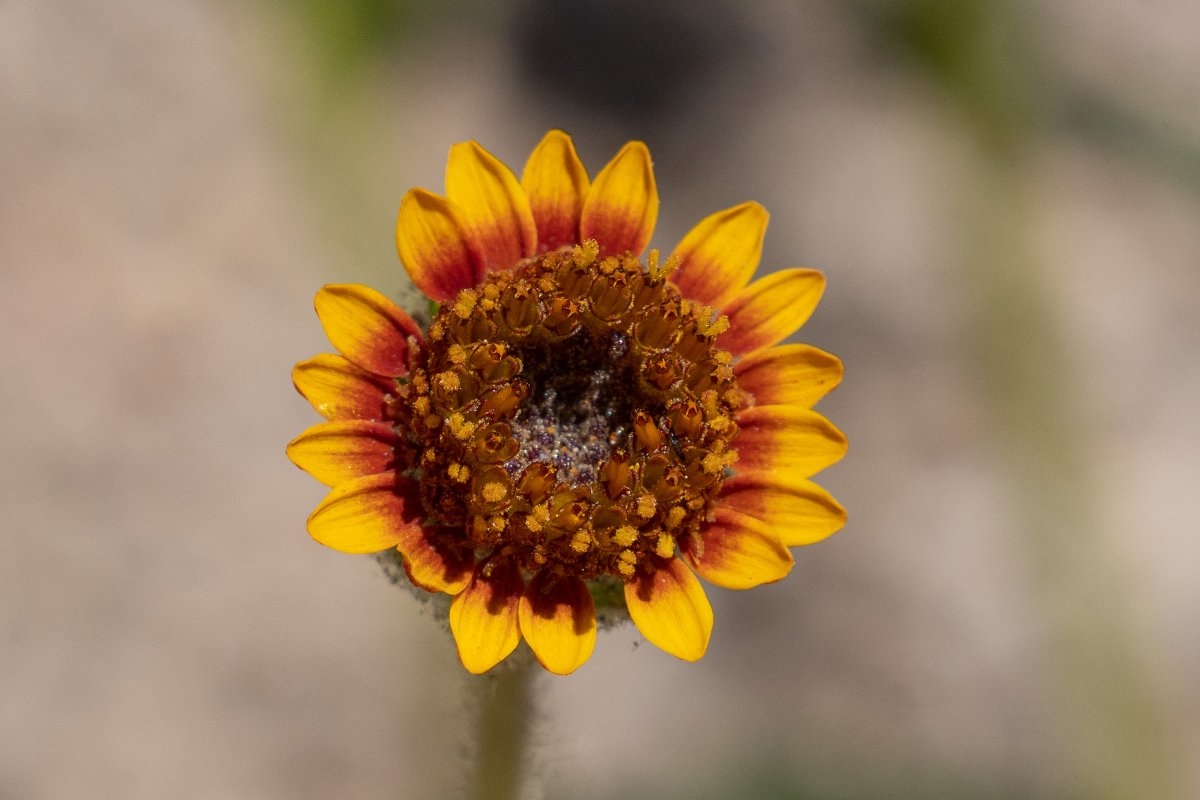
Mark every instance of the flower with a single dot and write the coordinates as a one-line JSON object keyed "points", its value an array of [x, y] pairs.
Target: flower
{"points": [[574, 420]]}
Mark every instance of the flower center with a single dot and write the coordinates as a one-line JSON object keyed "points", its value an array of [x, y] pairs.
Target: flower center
{"points": [[573, 412]]}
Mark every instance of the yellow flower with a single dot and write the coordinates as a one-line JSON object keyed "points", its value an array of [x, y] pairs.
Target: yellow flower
{"points": [[573, 418]]}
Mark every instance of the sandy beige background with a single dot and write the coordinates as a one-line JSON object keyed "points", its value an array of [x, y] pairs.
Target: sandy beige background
{"points": [[176, 180]]}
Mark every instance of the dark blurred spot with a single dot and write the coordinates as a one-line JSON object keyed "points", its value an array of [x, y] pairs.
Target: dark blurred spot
{"points": [[624, 57]]}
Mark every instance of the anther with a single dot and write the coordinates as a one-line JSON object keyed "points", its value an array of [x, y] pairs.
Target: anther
{"points": [[661, 372], [536, 482], [616, 474], [496, 444], [646, 431], [503, 400], [562, 316]]}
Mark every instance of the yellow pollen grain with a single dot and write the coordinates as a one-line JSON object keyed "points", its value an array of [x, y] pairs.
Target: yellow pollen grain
{"points": [[494, 491], [433, 421], [665, 548], [712, 463], [496, 523], [457, 354], [491, 292], [659, 269], [723, 357], [587, 252], [719, 325], [448, 381], [465, 304], [719, 424], [487, 304], [625, 535], [646, 506], [537, 518], [581, 542], [421, 406], [626, 561], [459, 426], [675, 517], [708, 400]]}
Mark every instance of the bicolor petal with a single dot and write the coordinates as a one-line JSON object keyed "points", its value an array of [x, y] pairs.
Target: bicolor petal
{"points": [[438, 257], [366, 327], [799, 511], [483, 617], [494, 211], [556, 184], [558, 620], [788, 439], [339, 390], [437, 559], [718, 256], [367, 515], [735, 551], [669, 607], [771, 309], [621, 208], [342, 450], [790, 374]]}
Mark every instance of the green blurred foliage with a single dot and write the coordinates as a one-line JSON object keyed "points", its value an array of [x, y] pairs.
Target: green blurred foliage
{"points": [[980, 52], [349, 34]]}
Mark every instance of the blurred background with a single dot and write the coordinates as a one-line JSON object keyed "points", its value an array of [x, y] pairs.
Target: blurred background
{"points": [[1005, 199]]}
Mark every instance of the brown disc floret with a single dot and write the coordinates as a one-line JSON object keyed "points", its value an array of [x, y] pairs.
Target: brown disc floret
{"points": [[572, 413]]}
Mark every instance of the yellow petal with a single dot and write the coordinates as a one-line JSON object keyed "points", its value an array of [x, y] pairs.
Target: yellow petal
{"points": [[798, 510], [789, 439], [436, 253], [771, 309], [671, 610], [790, 374], [483, 617], [622, 205], [735, 551], [367, 515], [718, 257], [339, 390], [556, 184], [340, 451], [495, 212], [366, 327], [558, 621]]}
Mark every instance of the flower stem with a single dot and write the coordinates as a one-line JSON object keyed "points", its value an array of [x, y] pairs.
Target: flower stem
{"points": [[505, 713]]}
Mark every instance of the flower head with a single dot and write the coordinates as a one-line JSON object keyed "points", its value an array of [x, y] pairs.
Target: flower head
{"points": [[575, 419]]}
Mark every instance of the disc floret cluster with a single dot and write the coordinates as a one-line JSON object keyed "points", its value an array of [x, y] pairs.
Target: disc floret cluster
{"points": [[573, 413]]}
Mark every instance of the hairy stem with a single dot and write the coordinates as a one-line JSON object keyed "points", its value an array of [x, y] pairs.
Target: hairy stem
{"points": [[505, 712]]}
